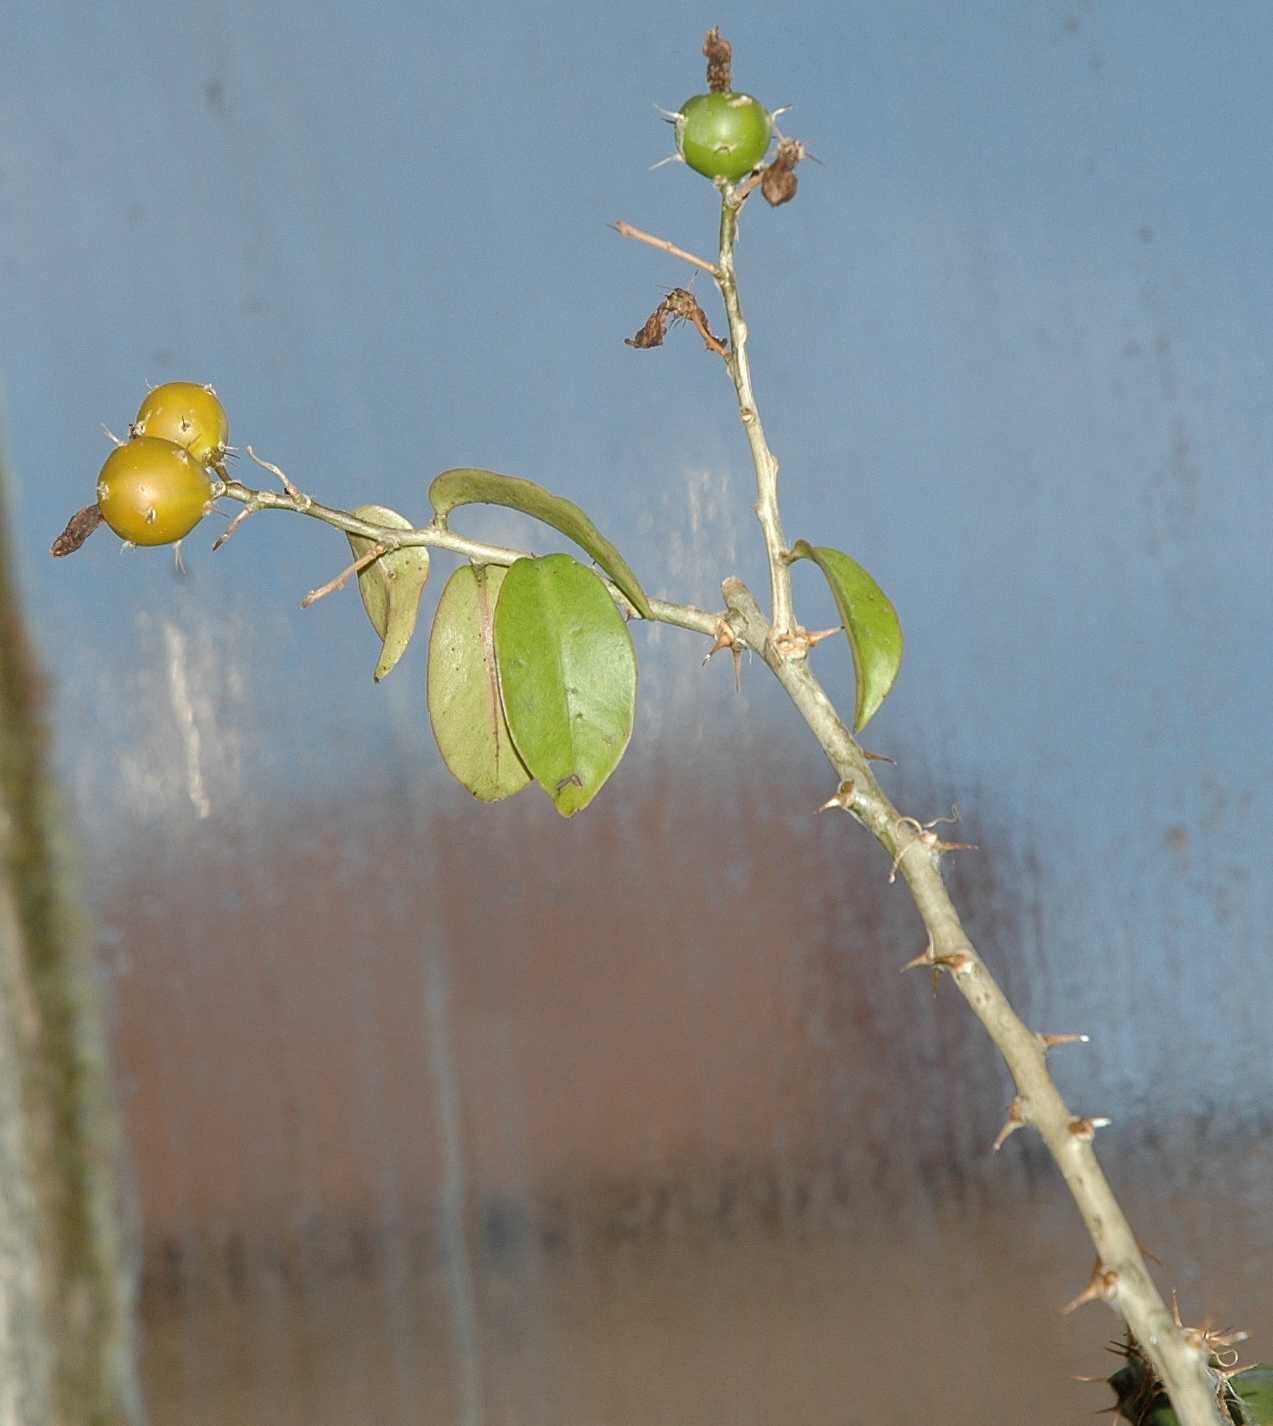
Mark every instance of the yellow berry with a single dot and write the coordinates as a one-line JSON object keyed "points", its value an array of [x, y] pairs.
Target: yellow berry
{"points": [[190, 415], [152, 491]]}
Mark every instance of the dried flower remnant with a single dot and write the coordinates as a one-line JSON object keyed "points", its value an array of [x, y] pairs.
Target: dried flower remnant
{"points": [[78, 528], [779, 183], [720, 62], [680, 305]]}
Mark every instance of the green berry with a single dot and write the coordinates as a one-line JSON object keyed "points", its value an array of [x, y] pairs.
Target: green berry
{"points": [[723, 135]]}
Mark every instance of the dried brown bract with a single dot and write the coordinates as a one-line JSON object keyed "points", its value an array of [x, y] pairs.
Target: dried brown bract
{"points": [[652, 333], [78, 528], [680, 305], [780, 182], [720, 62]]}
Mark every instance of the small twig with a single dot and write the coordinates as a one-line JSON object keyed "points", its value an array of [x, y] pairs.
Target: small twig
{"points": [[344, 576], [302, 500], [626, 230]]}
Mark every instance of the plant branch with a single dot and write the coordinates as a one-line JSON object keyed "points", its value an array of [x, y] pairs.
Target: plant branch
{"points": [[762, 457], [626, 230], [1122, 1277], [682, 616]]}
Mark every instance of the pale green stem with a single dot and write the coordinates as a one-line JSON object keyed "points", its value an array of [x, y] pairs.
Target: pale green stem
{"points": [[682, 616], [1122, 1275], [763, 458]]}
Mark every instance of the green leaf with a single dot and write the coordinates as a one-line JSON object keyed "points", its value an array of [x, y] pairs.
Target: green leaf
{"points": [[871, 622], [390, 586], [1143, 1401], [484, 487], [464, 702], [1255, 1387], [567, 672]]}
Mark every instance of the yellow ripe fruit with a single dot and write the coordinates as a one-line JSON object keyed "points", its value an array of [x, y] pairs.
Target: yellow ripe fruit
{"points": [[190, 415], [152, 492]]}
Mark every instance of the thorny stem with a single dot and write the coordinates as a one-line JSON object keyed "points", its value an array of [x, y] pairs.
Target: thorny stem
{"points": [[1121, 1277], [762, 457]]}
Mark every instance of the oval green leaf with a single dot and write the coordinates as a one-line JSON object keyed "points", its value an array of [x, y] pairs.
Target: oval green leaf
{"points": [[464, 702], [390, 586], [871, 622], [465, 486], [567, 673]]}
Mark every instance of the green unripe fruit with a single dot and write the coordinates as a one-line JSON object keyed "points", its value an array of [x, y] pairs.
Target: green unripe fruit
{"points": [[190, 415], [723, 135], [152, 492]]}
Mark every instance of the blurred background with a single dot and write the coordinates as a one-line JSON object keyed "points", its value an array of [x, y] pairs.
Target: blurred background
{"points": [[443, 1113]]}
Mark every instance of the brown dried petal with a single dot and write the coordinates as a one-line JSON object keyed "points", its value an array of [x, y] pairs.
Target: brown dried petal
{"points": [[653, 332], [779, 186]]}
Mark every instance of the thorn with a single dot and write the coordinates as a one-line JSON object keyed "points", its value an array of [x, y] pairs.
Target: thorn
{"points": [[843, 799], [1085, 1129], [816, 637], [1225, 1373], [1050, 1041], [727, 639], [111, 436], [879, 758], [1102, 1287], [955, 963], [1016, 1120], [794, 643], [1205, 1340], [923, 835], [925, 958], [233, 526]]}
